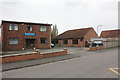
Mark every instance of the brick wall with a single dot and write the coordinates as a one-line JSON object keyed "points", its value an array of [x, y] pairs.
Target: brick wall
{"points": [[6, 34], [80, 43], [96, 48], [32, 56], [111, 44], [90, 34]]}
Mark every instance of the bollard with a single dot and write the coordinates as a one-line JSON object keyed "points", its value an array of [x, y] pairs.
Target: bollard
{"points": [[34, 48], [23, 48]]}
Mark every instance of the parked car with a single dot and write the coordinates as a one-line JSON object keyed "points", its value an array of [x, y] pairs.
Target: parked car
{"points": [[52, 45], [99, 43]]}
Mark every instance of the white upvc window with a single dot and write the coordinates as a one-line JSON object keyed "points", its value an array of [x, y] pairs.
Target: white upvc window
{"points": [[13, 41], [29, 28], [43, 28], [13, 27]]}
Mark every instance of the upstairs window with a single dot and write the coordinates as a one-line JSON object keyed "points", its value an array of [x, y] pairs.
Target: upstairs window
{"points": [[74, 41], [13, 41], [43, 40], [43, 28], [29, 28], [65, 41], [13, 27]]}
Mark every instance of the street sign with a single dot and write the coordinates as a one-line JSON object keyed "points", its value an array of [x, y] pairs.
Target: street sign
{"points": [[29, 34]]}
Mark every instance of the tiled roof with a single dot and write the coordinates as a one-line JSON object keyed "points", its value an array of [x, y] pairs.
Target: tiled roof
{"points": [[110, 33], [76, 33]]}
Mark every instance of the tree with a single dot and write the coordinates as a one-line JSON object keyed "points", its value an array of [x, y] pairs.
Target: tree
{"points": [[54, 33]]}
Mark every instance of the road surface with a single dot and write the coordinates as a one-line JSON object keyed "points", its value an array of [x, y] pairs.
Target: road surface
{"points": [[89, 66]]}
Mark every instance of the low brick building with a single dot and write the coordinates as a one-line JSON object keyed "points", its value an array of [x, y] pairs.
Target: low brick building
{"points": [[27, 35], [77, 37], [110, 34], [112, 37]]}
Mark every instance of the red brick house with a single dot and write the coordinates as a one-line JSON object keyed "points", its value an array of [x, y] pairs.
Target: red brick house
{"points": [[110, 33], [27, 35], [77, 37], [112, 37]]}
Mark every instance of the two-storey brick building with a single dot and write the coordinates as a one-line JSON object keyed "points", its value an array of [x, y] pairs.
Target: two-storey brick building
{"points": [[27, 35]]}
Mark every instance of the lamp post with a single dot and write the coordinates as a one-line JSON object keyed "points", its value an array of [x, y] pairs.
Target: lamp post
{"points": [[97, 31], [98, 27]]}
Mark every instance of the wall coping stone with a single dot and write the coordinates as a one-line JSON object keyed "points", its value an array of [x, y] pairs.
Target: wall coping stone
{"points": [[27, 53], [52, 52], [19, 54]]}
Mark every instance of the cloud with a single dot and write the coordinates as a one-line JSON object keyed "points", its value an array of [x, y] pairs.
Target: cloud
{"points": [[71, 4], [109, 6], [67, 14], [9, 2], [74, 3]]}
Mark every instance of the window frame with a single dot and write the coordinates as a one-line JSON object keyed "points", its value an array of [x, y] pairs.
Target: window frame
{"points": [[30, 27], [73, 41], [65, 41], [41, 27], [13, 44], [14, 26], [46, 41]]}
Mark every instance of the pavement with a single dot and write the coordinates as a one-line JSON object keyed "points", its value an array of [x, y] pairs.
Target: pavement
{"points": [[90, 64], [73, 52], [42, 50]]}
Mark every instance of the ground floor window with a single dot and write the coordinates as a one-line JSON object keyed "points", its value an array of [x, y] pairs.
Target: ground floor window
{"points": [[13, 41], [43, 40], [65, 41], [74, 41]]}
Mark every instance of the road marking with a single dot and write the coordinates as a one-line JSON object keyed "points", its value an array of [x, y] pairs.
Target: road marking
{"points": [[114, 70]]}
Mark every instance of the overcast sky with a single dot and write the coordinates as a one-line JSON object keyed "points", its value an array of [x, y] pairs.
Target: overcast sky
{"points": [[67, 14]]}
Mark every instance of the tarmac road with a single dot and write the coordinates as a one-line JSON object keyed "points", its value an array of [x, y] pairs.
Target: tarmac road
{"points": [[72, 53], [89, 66]]}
